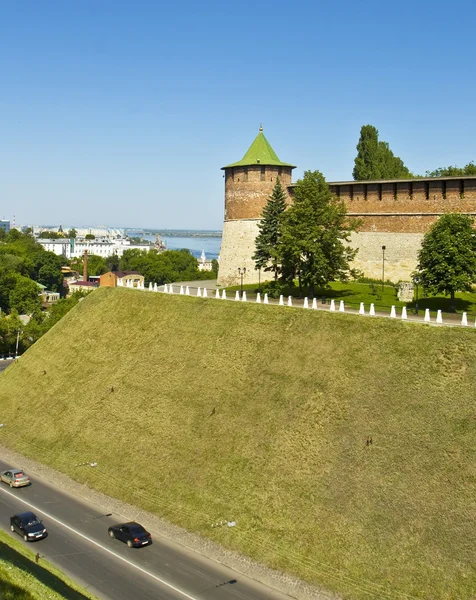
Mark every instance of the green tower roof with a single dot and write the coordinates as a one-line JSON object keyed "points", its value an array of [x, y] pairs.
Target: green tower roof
{"points": [[260, 153]]}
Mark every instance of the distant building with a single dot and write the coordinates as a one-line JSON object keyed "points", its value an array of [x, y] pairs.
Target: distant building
{"points": [[204, 264], [75, 247], [121, 279], [82, 286], [5, 225]]}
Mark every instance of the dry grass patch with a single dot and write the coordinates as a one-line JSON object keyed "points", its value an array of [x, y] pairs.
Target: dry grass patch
{"points": [[261, 414]]}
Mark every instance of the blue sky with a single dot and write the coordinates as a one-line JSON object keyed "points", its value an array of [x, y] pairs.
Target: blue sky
{"points": [[122, 113]]}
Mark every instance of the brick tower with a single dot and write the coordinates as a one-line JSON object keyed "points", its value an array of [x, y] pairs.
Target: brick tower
{"points": [[248, 185]]}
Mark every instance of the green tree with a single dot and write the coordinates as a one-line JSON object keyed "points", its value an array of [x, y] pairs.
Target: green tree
{"points": [[315, 233], [50, 235], [215, 266], [96, 265], [375, 160], [112, 262], [24, 295], [447, 258], [72, 233], [268, 254], [469, 169], [89, 236]]}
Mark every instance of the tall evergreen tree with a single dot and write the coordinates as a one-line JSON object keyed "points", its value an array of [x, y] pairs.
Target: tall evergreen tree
{"points": [[267, 254], [447, 258], [375, 160], [315, 233]]}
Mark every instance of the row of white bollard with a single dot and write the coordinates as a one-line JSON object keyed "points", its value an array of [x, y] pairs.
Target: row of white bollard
{"points": [[168, 289]]}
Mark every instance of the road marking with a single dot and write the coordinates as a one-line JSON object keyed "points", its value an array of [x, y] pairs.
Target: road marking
{"points": [[131, 564]]}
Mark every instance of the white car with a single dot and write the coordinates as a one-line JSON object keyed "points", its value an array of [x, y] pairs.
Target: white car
{"points": [[15, 478]]}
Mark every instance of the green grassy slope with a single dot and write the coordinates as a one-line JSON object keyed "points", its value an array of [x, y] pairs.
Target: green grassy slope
{"points": [[224, 410], [22, 579]]}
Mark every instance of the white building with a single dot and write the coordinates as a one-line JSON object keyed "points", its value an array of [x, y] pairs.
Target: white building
{"points": [[74, 248], [203, 263]]}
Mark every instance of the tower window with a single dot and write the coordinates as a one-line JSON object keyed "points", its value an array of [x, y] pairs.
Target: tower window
{"points": [[263, 173], [245, 174], [280, 171]]}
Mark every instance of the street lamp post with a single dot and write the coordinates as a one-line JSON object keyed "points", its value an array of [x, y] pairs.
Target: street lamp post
{"points": [[18, 340], [241, 273], [416, 281], [383, 265]]}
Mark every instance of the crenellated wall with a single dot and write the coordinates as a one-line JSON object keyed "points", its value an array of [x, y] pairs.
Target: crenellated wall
{"points": [[410, 205]]}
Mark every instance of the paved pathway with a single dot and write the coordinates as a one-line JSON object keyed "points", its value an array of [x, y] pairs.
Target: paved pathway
{"points": [[449, 320]]}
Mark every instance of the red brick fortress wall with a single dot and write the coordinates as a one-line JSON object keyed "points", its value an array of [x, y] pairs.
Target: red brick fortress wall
{"points": [[406, 206]]}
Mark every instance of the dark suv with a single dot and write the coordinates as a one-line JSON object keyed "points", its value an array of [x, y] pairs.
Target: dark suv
{"points": [[29, 526]]}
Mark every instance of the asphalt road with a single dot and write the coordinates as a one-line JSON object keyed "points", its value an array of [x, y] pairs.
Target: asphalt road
{"points": [[78, 544], [5, 363]]}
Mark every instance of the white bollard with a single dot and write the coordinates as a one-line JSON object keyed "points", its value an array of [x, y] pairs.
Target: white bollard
{"points": [[150, 286], [341, 306], [290, 300], [393, 312], [156, 289], [439, 318], [217, 294], [237, 295], [166, 289], [404, 313], [243, 299], [362, 309], [464, 319], [223, 295], [306, 302], [171, 289], [281, 301], [258, 298], [187, 291], [332, 307], [199, 292], [314, 304], [372, 310], [181, 290], [427, 318], [205, 293], [265, 301]]}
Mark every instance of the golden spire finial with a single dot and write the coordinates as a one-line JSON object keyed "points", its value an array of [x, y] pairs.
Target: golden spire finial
{"points": [[261, 127]]}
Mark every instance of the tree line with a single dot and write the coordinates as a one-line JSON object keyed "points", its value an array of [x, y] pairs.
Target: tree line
{"points": [[375, 160]]}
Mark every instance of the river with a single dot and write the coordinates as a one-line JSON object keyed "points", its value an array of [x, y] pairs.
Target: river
{"points": [[211, 245]]}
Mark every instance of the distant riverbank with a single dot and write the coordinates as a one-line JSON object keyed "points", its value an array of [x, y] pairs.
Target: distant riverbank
{"points": [[195, 243]]}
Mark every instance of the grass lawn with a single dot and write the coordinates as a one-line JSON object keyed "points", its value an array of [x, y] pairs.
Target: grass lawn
{"points": [[261, 415], [353, 293], [22, 579]]}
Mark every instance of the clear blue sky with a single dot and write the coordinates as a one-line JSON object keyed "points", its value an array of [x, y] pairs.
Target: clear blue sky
{"points": [[122, 113]]}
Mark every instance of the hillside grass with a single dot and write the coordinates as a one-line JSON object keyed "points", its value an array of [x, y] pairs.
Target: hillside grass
{"points": [[201, 410], [22, 579]]}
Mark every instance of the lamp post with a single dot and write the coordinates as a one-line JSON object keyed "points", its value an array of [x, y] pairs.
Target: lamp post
{"points": [[383, 265], [416, 280], [241, 273], [18, 340]]}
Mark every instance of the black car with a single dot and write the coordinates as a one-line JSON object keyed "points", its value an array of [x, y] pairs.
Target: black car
{"points": [[29, 526], [133, 534]]}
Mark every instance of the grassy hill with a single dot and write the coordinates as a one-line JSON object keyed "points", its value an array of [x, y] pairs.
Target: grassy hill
{"points": [[22, 579], [202, 410]]}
